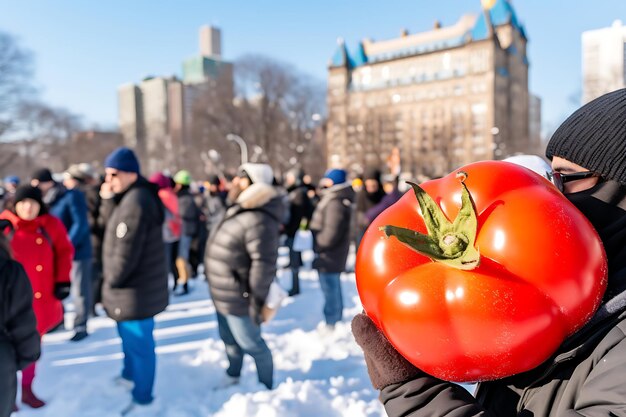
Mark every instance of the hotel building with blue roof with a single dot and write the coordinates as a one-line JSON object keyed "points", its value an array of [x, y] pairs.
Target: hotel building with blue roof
{"points": [[443, 98]]}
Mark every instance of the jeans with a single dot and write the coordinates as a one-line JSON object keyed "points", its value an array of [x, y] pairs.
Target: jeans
{"points": [[240, 335], [330, 282], [184, 246], [82, 292], [139, 357]]}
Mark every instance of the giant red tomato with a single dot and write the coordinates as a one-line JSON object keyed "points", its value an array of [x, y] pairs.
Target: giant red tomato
{"points": [[484, 276]]}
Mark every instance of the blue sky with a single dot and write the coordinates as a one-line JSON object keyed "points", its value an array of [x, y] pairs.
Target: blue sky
{"points": [[85, 49]]}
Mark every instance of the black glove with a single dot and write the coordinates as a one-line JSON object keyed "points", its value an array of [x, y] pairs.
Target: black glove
{"points": [[61, 290], [385, 365]]}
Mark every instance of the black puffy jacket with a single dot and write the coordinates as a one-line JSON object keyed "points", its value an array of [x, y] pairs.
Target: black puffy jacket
{"points": [[242, 250], [330, 226], [19, 339], [135, 274]]}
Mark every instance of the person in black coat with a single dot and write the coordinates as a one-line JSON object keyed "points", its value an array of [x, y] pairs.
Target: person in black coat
{"points": [[585, 376], [330, 226], [19, 339], [300, 207], [135, 271], [190, 215], [240, 262]]}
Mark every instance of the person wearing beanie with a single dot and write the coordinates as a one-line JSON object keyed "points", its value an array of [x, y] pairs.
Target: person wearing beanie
{"points": [[585, 376], [240, 263], [70, 206], [134, 289], [330, 226], [41, 244], [369, 197], [191, 217], [300, 210]]}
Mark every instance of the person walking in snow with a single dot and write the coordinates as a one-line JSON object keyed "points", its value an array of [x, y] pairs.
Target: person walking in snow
{"points": [[240, 262], [190, 215], [40, 243], [19, 339], [330, 225], [135, 273], [300, 208]]}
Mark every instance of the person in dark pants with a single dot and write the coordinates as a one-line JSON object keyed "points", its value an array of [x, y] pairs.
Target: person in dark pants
{"points": [[241, 264], [69, 205], [19, 340], [585, 376], [330, 226], [135, 271], [190, 215], [300, 208]]}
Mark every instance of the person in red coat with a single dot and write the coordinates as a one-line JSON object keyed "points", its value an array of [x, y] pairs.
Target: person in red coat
{"points": [[40, 243]]}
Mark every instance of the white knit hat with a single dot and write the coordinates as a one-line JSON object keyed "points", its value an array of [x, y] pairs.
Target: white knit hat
{"points": [[258, 173]]}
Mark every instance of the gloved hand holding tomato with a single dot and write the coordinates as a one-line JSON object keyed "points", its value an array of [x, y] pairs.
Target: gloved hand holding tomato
{"points": [[481, 274]]}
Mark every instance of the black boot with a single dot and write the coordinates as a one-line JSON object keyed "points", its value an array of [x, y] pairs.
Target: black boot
{"points": [[295, 283]]}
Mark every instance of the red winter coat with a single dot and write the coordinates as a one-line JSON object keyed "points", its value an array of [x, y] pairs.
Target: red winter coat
{"points": [[42, 246]]}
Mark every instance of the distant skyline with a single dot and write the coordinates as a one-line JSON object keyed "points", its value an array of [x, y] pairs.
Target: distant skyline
{"points": [[85, 50]]}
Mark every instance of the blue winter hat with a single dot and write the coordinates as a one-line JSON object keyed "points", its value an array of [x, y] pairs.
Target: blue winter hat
{"points": [[338, 176], [122, 159], [12, 179]]}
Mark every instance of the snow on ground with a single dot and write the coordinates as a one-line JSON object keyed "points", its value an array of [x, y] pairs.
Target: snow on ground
{"points": [[315, 374]]}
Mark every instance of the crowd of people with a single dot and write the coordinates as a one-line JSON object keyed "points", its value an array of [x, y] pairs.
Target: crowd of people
{"points": [[119, 243], [116, 239]]}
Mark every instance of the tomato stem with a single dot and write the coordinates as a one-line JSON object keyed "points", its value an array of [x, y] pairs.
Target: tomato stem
{"points": [[452, 243]]}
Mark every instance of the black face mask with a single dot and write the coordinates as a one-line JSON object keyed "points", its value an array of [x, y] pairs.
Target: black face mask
{"points": [[605, 207]]}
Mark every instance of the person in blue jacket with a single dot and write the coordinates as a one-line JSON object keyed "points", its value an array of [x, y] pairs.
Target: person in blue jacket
{"points": [[68, 204]]}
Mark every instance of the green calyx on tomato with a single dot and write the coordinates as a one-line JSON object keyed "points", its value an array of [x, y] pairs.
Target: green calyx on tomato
{"points": [[451, 243]]}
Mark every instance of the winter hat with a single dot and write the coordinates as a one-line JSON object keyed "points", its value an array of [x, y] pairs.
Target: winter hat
{"points": [[182, 177], [338, 176], [214, 180], [88, 171], [373, 174], [28, 191], [43, 175], [122, 159], [75, 172], [594, 137], [161, 180], [258, 173], [533, 162], [12, 179]]}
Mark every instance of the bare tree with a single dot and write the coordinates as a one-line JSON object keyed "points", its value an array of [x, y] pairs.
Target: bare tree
{"points": [[283, 103], [277, 111], [41, 138], [15, 78]]}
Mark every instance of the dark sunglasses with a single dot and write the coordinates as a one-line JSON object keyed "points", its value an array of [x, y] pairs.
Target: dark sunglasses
{"points": [[559, 179]]}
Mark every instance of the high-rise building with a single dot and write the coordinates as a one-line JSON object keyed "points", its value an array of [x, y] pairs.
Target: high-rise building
{"points": [[604, 58], [131, 115], [208, 67], [444, 98], [155, 117], [210, 42], [534, 125]]}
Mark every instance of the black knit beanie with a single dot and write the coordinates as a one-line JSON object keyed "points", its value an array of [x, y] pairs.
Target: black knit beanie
{"points": [[594, 137], [27, 191]]}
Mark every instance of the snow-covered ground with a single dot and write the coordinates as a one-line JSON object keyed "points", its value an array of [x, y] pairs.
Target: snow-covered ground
{"points": [[315, 374]]}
